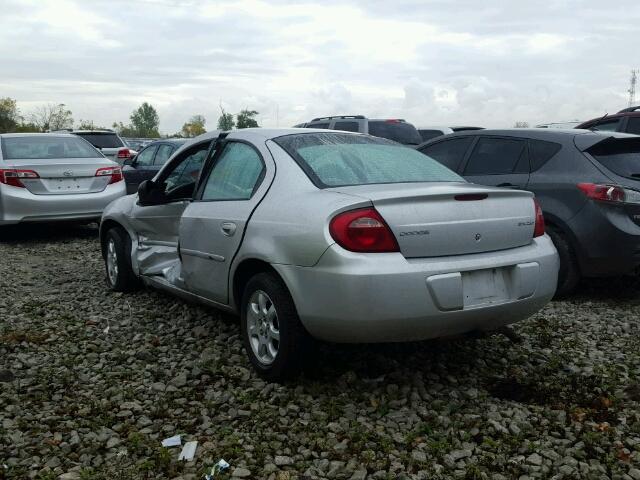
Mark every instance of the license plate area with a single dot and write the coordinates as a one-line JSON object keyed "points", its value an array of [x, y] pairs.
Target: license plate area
{"points": [[481, 287]]}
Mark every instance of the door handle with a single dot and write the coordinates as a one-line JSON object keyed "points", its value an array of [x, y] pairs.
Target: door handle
{"points": [[228, 228]]}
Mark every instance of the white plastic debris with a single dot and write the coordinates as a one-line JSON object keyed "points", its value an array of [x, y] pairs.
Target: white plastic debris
{"points": [[188, 451], [174, 441], [219, 467]]}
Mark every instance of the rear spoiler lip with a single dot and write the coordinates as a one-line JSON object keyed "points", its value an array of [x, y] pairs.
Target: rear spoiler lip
{"points": [[585, 142]]}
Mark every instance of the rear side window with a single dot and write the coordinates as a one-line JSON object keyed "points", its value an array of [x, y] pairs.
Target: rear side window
{"points": [[235, 174], [318, 125], [145, 157], [634, 125], [43, 147], [400, 132], [496, 156], [346, 126], [449, 152], [540, 152], [102, 140], [334, 159], [622, 157], [429, 134]]}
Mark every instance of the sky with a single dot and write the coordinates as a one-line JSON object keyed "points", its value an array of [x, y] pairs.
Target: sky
{"points": [[433, 62]]}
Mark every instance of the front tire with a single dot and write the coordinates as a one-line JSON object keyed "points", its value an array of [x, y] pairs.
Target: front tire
{"points": [[117, 261], [273, 336], [569, 274]]}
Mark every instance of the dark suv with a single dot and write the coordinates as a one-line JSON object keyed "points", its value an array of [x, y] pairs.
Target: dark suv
{"points": [[395, 129], [588, 184], [626, 120]]}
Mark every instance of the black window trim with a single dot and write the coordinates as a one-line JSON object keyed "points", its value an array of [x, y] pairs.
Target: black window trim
{"points": [[212, 161]]}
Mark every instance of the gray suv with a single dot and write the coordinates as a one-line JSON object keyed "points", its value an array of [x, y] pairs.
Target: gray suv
{"points": [[394, 129], [587, 183]]}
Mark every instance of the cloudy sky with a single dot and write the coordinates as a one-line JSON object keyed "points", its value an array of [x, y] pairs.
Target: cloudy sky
{"points": [[433, 62]]}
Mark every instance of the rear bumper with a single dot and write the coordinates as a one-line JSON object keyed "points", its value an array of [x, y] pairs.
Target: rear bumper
{"points": [[349, 297], [608, 242], [19, 205]]}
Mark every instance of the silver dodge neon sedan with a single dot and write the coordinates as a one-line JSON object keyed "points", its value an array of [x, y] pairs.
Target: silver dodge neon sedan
{"points": [[46, 176], [329, 235]]}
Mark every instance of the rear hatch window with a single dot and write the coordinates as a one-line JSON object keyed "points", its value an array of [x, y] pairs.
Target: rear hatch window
{"points": [[102, 140], [621, 156], [43, 147], [400, 132], [335, 159]]}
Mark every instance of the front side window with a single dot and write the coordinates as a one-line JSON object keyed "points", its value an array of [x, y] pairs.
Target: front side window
{"points": [[449, 152], [145, 157], [235, 174], [336, 159], [45, 147], [181, 182], [496, 156]]}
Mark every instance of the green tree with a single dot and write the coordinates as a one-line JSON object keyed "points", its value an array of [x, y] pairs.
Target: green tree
{"points": [[9, 115], [52, 117], [27, 128], [194, 127], [145, 121], [245, 119], [124, 130], [225, 121]]}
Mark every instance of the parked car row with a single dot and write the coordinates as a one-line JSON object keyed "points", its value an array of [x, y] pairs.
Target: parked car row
{"points": [[347, 229]]}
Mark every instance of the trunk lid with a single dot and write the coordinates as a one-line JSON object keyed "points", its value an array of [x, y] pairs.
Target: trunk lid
{"points": [[439, 219], [64, 176]]}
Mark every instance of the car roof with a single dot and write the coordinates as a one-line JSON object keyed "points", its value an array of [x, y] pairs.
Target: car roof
{"points": [[271, 133], [34, 134], [549, 134]]}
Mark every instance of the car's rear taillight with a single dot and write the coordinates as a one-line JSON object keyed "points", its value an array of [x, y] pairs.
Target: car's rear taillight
{"points": [[114, 172], [614, 194], [363, 230], [124, 153], [13, 177], [538, 230]]}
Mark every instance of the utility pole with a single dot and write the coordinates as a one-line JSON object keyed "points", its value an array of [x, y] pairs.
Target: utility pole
{"points": [[632, 88]]}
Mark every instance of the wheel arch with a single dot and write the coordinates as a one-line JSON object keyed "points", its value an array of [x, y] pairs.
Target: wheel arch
{"points": [[245, 270]]}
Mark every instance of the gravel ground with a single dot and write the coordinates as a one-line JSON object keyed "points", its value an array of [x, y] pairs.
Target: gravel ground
{"points": [[91, 381]]}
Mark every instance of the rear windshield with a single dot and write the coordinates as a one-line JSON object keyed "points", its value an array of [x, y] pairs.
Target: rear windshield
{"points": [[45, 147], [102, 140], [622, 157], [400, 132], [335, 159]]}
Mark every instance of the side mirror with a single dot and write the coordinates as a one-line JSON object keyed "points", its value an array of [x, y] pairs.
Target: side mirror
{"points": [[151, 193], [129, 162]]}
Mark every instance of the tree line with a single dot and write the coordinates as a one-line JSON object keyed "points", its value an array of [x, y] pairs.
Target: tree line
{"points": [[144, 121]]}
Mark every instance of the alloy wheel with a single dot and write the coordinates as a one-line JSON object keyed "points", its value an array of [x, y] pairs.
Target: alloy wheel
{"points": [[112, 262], [262, 327]]}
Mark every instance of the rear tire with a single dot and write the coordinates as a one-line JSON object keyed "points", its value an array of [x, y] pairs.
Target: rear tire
{"points": [[276, 342], [569, 274], [117, 260]]}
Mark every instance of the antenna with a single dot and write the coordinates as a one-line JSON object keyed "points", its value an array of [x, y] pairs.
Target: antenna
{"points": [[632, 87]]}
